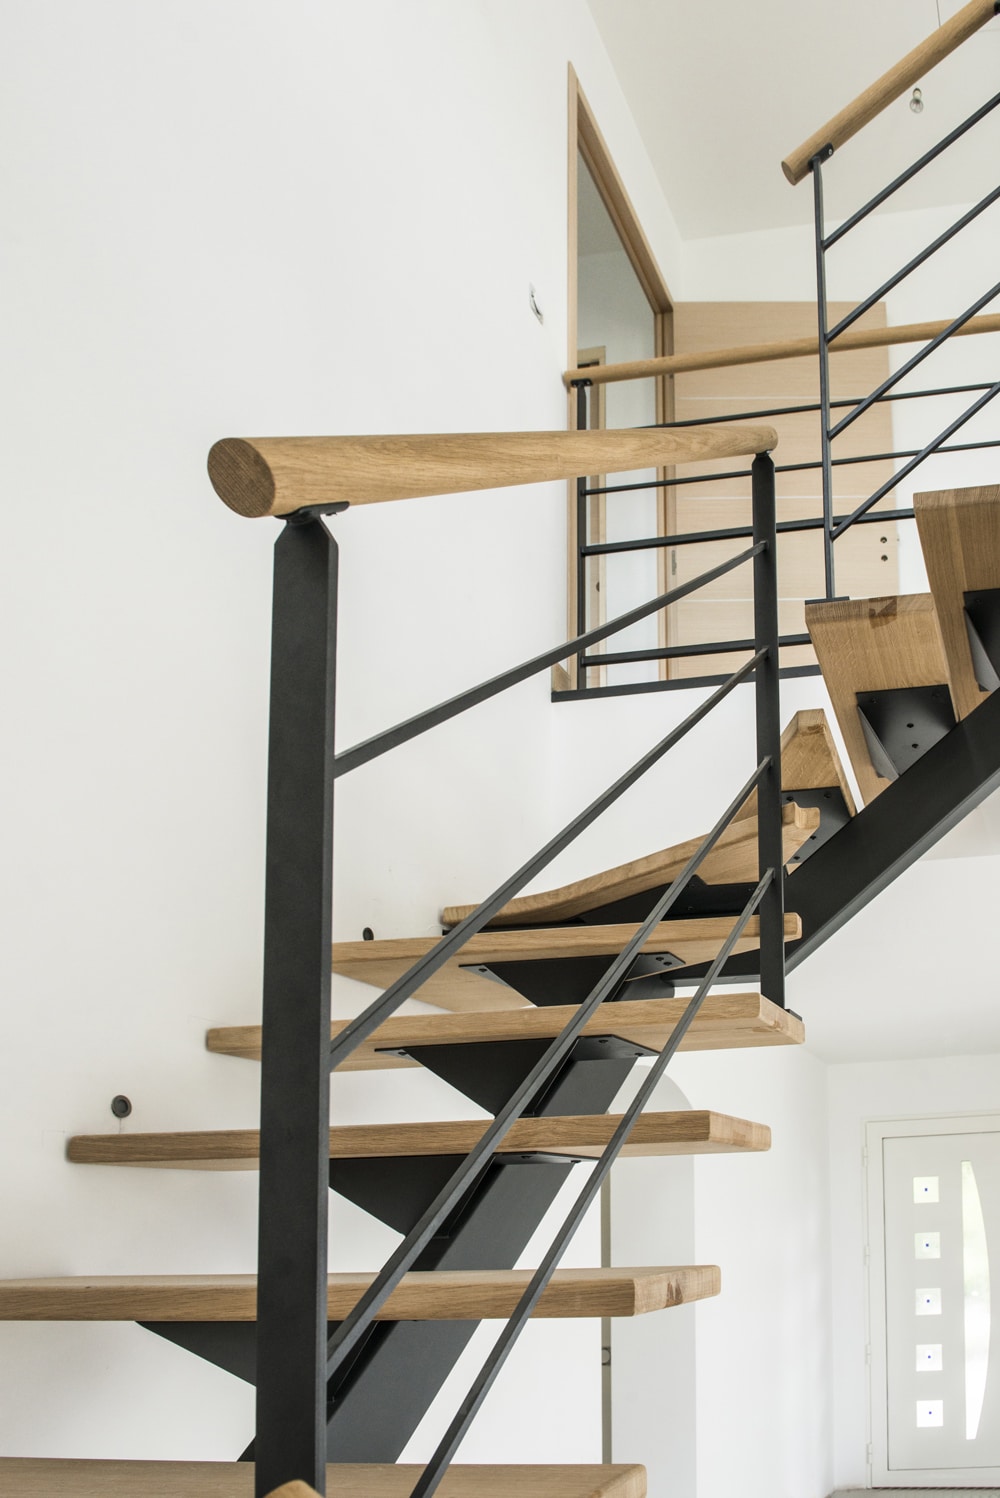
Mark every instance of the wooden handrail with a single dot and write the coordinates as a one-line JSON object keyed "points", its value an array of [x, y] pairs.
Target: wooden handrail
{"points": [[907, 72], [763, 353], [257, 476]]}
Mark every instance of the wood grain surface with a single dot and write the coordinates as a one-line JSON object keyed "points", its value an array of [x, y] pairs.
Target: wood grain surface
{"points": [[258, 476], [874, 645], [810, 760], [733, 860], [726, 1021], [460, 984], [687, 1133], [452, 1295], [896, 81], [782, 348], [55, 1477], [960, 536]]}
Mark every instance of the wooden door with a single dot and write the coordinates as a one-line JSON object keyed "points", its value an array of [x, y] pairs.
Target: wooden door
{"points": [[866, 557]]}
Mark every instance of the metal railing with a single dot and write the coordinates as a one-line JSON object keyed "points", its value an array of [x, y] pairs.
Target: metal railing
{"points": [[832, 524], [836, 526], [296, 1361]]}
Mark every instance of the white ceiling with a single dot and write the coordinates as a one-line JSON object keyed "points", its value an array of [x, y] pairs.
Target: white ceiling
{"points": [[722, 92]]}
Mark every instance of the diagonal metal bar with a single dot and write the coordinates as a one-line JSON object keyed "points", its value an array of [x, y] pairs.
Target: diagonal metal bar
{"points": [[908, 468], [369, 1019], [918, 260], [435, 1469], [670, 652], [411, 728], [904, 177], [918, 358], [350, 1331]]}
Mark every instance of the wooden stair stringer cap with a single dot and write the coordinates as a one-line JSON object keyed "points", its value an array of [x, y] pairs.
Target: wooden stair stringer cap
{"points": [[457, 985], [874, 645], [726, 1021], [810, 760], [733, 860], [960, 537], [683, 1133], [60, 1477], [450, 1295]]}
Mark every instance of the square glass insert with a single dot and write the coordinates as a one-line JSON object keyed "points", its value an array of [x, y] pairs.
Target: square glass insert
{"points": [[925, 1189], [929, 1359], [927, 1245], [928, 1303], [930, 1412]]}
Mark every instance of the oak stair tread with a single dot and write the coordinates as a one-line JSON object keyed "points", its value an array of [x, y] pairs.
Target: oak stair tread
{"points": [[960, 537], [725, 1021], [458, 984], [733, 860], [55, 1477], [47, 1477], [810, 761], [681, 1133], [874, 645], [451, 1295]]}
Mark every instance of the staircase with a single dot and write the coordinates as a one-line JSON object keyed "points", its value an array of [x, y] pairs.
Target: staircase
{"points": [[543, 1001]]}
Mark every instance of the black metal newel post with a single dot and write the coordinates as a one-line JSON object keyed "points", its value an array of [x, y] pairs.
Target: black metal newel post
{"points": [[295, 1074], [769, 834], [582, 537], [826, 446]]}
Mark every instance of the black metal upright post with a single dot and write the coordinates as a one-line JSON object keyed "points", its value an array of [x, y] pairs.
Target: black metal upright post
{"points": [[295, 1074], [582, 537], [826, 447], [769, 835]]}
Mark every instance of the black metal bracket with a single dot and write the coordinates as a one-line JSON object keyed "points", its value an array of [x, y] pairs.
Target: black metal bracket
{"points": [[982, 625], [309, 513], [544, 981], [490, 1072], [829, 801], [901, 724]]}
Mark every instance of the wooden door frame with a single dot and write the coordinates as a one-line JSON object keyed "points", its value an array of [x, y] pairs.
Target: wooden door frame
{"points": [[584, 138]]}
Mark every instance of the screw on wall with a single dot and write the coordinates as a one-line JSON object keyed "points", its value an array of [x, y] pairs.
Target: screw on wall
{"points": [[121, 1106]]}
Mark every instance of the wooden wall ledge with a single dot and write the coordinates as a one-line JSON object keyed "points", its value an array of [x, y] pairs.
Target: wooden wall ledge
{"points": [[258, 476], [765, 353], [907, 72]]}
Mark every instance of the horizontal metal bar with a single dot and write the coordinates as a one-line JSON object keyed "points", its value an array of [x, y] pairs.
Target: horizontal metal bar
{"points": [[671, 652], [363, 1025], [697, 478], [904, 177], [672, 684], [450, 1441], [915, 462], [918, 358], [899, 395], [350, 1331], [411, 728], [912, 265], [740, 532]]}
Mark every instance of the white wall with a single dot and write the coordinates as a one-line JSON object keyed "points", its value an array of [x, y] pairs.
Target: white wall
{"points": [[253, 219], [877, 1090]]}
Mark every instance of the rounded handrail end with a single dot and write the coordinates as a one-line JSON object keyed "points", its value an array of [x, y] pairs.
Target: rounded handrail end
{"points": [[242, 477]]}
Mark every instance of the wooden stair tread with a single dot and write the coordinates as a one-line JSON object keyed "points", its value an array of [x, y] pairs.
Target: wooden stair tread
{"points": [[458, 985], [453, 1295], [960, 536], [682, 1133], [725, 1021], [874, 645], [54, 1477], [809, 760], [733, 860]]}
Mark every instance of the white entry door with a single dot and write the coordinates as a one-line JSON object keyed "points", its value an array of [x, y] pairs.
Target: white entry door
{"points": [[935, 1229]]}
